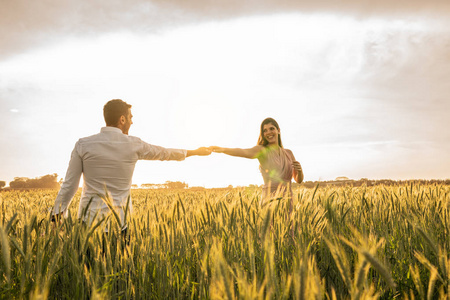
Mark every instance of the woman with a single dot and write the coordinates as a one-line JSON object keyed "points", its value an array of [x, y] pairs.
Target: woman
{"points": [[277, 164]]}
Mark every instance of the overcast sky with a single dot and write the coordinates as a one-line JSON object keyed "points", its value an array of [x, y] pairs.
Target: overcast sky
{"points": [[360, 89]]}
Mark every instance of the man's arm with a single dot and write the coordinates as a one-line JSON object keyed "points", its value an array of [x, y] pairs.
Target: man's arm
{"points": [[70, 184], [153, 152]]}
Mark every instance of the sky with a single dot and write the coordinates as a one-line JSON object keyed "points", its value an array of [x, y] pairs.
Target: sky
{"points": [[359, 88]]}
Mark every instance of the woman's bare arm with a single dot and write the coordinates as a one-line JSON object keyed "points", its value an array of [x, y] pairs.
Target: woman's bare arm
{"points": [[239, 152]]}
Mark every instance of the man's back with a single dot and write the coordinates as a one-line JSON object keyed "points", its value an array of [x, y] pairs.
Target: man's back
{"points": [[107, 161]]}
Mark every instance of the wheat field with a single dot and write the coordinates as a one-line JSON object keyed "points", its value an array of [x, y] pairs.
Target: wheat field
{"points": [[379, 242]]}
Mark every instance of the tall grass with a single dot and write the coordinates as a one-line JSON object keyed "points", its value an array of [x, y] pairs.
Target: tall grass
{"points": [[339, 243]]}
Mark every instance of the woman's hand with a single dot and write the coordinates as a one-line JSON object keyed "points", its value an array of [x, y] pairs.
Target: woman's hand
{"points": [[217, 149], [298, 172], [297, 166]]}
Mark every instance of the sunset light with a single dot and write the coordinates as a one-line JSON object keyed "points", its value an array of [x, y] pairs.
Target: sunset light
{"points": [[195, 149], [347, 92]]}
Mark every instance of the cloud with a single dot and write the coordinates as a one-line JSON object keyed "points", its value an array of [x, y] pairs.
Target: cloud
{"points": [[25, 24]]}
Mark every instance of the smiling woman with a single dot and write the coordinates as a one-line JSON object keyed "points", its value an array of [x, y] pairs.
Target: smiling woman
{"points": [[278, 165]]}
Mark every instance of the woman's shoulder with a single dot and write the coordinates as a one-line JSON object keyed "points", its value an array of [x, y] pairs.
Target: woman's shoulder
{"points": [[289, 152], [260, 152]]}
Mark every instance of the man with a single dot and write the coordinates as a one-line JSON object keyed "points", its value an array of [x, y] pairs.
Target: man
{"points": [[107, 162]]}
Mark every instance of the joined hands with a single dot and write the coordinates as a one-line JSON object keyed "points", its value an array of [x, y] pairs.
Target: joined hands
{"points": [[203, 151]]}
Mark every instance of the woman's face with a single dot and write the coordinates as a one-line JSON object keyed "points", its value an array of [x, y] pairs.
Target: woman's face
{"points": [[270, 133]]}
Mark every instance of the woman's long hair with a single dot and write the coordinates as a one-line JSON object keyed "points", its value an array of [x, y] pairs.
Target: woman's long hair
{"points": [[262, 140]]}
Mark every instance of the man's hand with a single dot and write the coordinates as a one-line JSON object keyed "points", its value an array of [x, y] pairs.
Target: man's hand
{"points": [[202, 151], [56, 220]]}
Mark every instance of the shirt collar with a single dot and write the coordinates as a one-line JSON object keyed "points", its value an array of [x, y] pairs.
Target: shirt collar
{"points": [[111, 129]]}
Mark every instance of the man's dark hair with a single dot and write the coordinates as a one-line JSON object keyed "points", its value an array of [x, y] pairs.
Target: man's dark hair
{"points": [[113, 110]]}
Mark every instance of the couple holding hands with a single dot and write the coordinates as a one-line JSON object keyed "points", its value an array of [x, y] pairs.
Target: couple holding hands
{"points": [[107, 160]]}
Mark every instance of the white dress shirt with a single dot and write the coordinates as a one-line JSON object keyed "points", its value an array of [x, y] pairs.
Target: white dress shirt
{"points": [[107, 162]]}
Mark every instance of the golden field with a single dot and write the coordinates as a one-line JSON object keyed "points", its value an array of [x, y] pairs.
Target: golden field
{"points": [[339, 243]]}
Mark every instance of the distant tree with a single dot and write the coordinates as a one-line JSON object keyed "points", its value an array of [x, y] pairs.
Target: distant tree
{"points": [[197, 188], [18, 183], [43, 182], [48, 182], [152, 186], [308, 184], [176, 185], [2, 184]]}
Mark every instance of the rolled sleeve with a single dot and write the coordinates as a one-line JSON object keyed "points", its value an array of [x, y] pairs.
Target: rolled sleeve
{"points": [[71, 182]]}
